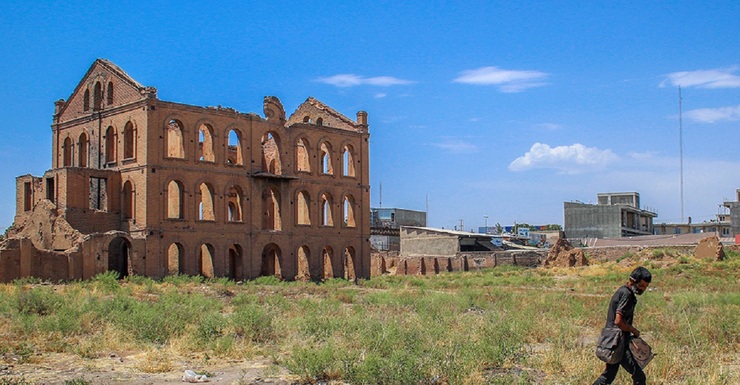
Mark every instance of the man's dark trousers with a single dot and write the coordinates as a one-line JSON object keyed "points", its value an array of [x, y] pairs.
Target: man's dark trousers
{"points": [[629, 364]]}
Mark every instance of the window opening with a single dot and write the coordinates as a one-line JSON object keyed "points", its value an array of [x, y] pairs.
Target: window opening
{"points": [[348, 164], [174, 259], [326, 167], [206, 203], [271, 154], [129, 138], [67, 152], [205, 143], [303, 216], [97, 97], [271, 210], [174, 200], [82, 162], [98, 194], [175, 148], [234, 156], [326, 217], [303, 162], [111, 139]]}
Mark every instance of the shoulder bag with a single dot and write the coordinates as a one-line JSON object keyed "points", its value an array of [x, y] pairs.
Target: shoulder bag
{"points": [[610, 347]]}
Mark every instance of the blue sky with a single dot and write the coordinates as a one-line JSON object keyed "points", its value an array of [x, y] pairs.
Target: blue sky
{"points": [[487, 108]]}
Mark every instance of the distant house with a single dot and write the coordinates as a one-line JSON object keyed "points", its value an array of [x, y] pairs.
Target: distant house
{"points": [[615, 215], [430, 242], [719, 227], [386, 222], [734, 207]]}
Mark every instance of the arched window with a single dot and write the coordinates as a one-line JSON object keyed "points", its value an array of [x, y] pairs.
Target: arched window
{"points": [[129, 141], [174, 258], [319, 122], [128, 200], [235, 262], [349, 264], [348, 164], [86, 101], [175, 148], [175, 200], [82, 150], [234, 204], [327, 262], [97, 97], [205, 143], [271, 261], [271, 210], [325, 154], [271, 154], [306, 119], [234, 155], [109, 94], [302, 162], [304, 269], [205, 203], [348, 212], [206, 260], [303, 216], [67, 152], [326, 216], [111, 139]]}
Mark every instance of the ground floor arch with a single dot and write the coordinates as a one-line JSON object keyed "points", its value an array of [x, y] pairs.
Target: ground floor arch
{"points": [[119, 257]]}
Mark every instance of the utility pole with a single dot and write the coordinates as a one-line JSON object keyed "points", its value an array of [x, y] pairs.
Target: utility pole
{"points": [[680, 147], [485, 219]]}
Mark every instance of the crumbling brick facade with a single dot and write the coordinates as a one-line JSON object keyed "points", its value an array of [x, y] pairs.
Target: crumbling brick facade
{"points": [[144, 186]]}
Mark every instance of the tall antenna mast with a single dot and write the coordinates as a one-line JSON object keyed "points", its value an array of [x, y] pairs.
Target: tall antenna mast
{"points": [[426, 207], [381, 196], [680, 147]]}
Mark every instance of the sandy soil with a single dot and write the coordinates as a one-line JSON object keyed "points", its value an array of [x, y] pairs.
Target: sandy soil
{"points": [[55, 369]]}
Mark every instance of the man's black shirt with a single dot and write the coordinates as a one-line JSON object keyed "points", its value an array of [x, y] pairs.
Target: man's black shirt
{"points": [[623, 302]]}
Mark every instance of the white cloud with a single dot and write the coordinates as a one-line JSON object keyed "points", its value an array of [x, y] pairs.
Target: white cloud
{"points": [[456, 146], [549, 126], [351, 80], [506, 80], [714, 78], [380, 95], [714, 115], [573, 159]]}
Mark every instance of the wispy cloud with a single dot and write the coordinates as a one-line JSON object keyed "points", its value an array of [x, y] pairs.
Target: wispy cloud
{"points": [[351, 80], [456, 146], [573, 159], [714, 78], [714, 115], [549, 126], [507, 80], [380, 95]]}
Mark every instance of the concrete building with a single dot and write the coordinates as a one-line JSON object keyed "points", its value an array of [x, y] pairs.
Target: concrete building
{"points": [[139, 185], [734, 207], [386, 222], [720, 227], [615, 215]]}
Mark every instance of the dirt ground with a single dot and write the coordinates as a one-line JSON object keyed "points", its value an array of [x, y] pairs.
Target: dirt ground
{"points": [[55, 369]]}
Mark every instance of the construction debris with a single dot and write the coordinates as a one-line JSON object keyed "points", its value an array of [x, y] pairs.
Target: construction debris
{"points": [[563, 254], [710, 248]]}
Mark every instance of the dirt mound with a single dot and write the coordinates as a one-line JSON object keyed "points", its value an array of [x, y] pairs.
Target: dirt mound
{"points": [[710, 248], [563, 254]]}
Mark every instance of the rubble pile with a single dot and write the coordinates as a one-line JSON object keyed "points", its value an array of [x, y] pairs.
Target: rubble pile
{"points": [[563, 254], [710, 248]]}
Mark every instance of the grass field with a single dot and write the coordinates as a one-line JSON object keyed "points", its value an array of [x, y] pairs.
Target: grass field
{"points": [[505, 325]]}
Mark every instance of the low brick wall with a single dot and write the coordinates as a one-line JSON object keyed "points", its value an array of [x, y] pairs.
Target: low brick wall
{"points": [[391, 263]]}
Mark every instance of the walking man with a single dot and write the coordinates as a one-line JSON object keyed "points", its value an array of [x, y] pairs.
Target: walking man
{"points": [[620, 315]]}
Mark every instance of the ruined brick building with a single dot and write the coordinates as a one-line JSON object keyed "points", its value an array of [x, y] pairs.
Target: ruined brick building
{"points": [[143, 186]]}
